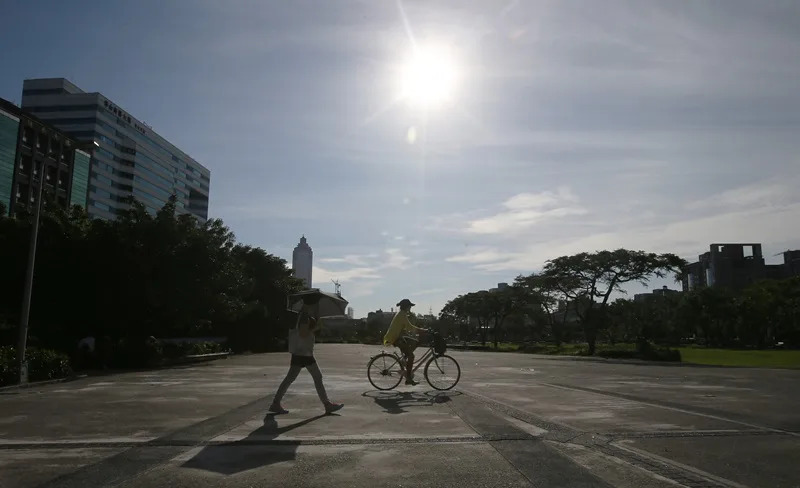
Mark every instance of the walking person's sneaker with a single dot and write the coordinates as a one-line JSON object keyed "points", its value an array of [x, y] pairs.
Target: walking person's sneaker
{"points": [[412, 381], [276, 408], [331, 407]]}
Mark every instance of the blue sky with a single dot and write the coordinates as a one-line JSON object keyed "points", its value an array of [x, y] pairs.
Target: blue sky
{"points": [[572, 125]]}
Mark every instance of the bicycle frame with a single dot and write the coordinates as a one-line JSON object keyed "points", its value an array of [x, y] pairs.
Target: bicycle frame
{"points": [[418, 364]]}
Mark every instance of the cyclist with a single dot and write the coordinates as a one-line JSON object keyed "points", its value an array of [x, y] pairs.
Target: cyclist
{"points": [[396, 336]]}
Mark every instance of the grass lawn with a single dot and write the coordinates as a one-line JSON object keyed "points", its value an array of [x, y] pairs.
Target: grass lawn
{"points": [[503, 346], [692, 354], [733, 357], [572, 349]]}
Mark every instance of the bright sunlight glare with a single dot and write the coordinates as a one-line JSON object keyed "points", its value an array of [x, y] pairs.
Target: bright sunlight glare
{"points": [[429, 77]]}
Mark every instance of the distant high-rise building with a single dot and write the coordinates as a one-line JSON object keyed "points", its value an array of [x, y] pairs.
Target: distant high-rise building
{"points": [[30, 149], [350, 312], [302, 261], [132, 160], [737, 266], [662, 292]]}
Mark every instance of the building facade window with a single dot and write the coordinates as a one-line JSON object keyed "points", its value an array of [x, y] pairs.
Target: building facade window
{"points": [[62, 108], [100, 205], [151, 188]]}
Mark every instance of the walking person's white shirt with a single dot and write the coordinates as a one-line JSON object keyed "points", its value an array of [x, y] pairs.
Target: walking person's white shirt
{"points": [[301, 340]]}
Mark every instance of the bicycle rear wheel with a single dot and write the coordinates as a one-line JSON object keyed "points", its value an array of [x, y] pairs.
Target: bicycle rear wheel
{"points": [[384, 371], [442, 372]]}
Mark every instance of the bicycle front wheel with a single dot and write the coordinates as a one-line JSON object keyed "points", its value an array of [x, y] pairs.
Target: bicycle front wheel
{"points": [[442, 372], [384, 371]]}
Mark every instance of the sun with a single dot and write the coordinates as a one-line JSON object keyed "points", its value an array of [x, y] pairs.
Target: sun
{"points": [[429, 77]]}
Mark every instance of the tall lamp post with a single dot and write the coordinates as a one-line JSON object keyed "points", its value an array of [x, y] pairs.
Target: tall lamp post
{"points": [[25, 313]]}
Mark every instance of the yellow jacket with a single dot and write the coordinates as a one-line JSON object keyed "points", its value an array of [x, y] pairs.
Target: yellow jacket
{"points": [[400, 324]]}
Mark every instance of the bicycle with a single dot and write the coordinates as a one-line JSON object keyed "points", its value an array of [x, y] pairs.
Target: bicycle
{"points": [[442, 372]]}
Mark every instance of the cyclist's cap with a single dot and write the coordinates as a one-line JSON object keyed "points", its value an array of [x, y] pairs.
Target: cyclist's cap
{"points": [[405, 302]]}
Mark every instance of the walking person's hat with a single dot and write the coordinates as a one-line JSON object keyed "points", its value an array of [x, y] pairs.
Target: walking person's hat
{"points": [[405, 302]]}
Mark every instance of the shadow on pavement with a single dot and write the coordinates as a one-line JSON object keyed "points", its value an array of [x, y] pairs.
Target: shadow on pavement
{"points": [[251, 452], [395, 402]]}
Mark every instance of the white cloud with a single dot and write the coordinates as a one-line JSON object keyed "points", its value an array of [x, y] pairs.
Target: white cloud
{"points": [[479, 255], [767, 193], [360, 289], [365, 272], [687, 238], [430, 291], [354, 259], [396, 259], [323, 275], [528, 209], [752, 213]]}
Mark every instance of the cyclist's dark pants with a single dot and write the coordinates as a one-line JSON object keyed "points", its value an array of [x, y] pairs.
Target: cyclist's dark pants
{"points": [[406, 345]]}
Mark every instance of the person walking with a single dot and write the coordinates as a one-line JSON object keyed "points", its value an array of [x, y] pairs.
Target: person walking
{"points": [[301, 345]]}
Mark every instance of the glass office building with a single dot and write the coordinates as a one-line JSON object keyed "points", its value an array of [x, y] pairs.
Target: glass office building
{"points": [[131, 159], [34, 154]]}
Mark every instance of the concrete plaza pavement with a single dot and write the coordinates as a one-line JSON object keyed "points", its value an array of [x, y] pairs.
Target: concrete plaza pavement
{"points": [[513, 420]]}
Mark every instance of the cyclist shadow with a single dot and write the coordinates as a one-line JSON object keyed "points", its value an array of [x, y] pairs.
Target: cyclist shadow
{"points": [[395, 402]]}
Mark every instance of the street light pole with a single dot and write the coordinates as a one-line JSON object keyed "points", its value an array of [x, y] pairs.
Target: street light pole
{"points": [[25, 313], [28, 291]]}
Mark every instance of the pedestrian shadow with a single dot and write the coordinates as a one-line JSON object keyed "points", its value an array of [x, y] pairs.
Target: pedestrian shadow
{"points": [[258, 449], [395, 402]]}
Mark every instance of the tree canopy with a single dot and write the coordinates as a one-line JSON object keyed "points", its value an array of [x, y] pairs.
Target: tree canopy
{"points": [[162, 275], [595, 276]]}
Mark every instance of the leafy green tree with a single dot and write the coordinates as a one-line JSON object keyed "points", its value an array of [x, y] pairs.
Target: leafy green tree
{"points": [[489, 309], [454, 313], [593, 277], [471, 310], [653, 319], [139, 275], [268, 283], [541, 297]]}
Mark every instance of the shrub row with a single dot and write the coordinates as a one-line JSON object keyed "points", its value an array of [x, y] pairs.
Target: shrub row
{"points": [[644, 351], [172, 351], [43, 364]]}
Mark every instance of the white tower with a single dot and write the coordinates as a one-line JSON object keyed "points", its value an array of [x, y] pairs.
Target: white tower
{"points": [[302, 260]]}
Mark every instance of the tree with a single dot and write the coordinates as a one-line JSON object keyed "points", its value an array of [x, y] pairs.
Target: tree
{"points": [[455, 312], [653, 319], [164, 275], [541, 297], [500, 305], [470, 309], [269, 282], [489, 309], [595, 276], [759, 307]]}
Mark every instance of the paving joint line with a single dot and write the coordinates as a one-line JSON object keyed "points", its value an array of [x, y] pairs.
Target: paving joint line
{"points": [[688, 476], [265, 442], [137, 459], [561, 432], [603, 444], [669, 406], [485, 419], [689, 434]]}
